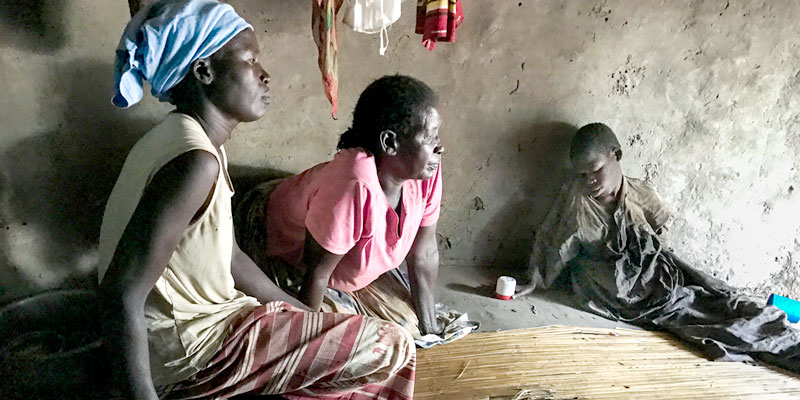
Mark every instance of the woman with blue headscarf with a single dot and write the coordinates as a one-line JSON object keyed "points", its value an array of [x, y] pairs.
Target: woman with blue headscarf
{"points": [[187, 313]]}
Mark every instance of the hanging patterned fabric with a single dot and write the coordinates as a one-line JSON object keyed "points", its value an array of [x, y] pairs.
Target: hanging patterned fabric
{"points": [[437, 21], [323, 29]]}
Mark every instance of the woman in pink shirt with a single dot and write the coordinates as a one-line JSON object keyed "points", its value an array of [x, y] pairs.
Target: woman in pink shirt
{"points": [[338, 231]]}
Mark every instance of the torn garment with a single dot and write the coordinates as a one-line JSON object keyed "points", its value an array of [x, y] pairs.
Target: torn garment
{"points": [[437, 21], [618, 269]]}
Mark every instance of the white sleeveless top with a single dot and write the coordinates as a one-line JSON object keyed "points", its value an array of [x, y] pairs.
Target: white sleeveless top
{"points": [[190, 308]]}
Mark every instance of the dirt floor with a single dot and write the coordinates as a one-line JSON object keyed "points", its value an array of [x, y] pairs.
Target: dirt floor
{"points": [[470, 289]]}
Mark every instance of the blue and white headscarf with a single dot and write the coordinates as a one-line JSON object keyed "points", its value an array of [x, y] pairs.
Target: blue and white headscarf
{"points": [[162, 41]]}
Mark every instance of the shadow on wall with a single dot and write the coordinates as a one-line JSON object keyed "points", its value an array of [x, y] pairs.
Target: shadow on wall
{"points": [[540, 167], [56, 183], [9, 272], [33, 25]]}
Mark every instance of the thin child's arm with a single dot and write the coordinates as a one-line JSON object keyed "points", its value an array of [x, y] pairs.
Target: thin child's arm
{"points": [[550, 236], [174, 196]]}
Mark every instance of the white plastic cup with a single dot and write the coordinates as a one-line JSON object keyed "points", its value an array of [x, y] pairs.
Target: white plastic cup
{"points": [[505, 287]]}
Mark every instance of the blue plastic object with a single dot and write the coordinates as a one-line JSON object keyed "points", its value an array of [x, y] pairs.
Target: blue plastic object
{"points": [[790, 306]]}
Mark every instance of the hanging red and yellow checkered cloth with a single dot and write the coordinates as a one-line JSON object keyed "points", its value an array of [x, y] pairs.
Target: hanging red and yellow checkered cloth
{"points": [[437, 21]]}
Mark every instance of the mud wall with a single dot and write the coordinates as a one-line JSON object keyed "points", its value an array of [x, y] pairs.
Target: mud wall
{"points": [[701, 93]]}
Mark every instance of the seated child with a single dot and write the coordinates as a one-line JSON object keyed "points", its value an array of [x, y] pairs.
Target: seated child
{"points": [[604, 231], [186, 313]]}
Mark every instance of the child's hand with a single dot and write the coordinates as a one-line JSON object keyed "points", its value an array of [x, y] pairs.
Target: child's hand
{"points": [[523, 291]]}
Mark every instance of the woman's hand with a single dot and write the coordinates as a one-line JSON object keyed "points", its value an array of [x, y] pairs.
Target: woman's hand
{"points": [[437, 328]]}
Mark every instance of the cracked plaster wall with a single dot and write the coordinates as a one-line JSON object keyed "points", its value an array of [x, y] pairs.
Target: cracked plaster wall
{"points": [[701, 93]]}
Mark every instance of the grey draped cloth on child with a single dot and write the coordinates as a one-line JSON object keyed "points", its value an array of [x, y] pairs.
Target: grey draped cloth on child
{"points": [[618, 269], [387, 298]]}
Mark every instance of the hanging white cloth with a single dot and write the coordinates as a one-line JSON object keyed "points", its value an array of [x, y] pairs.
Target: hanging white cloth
{"points": [[372, 16]]}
